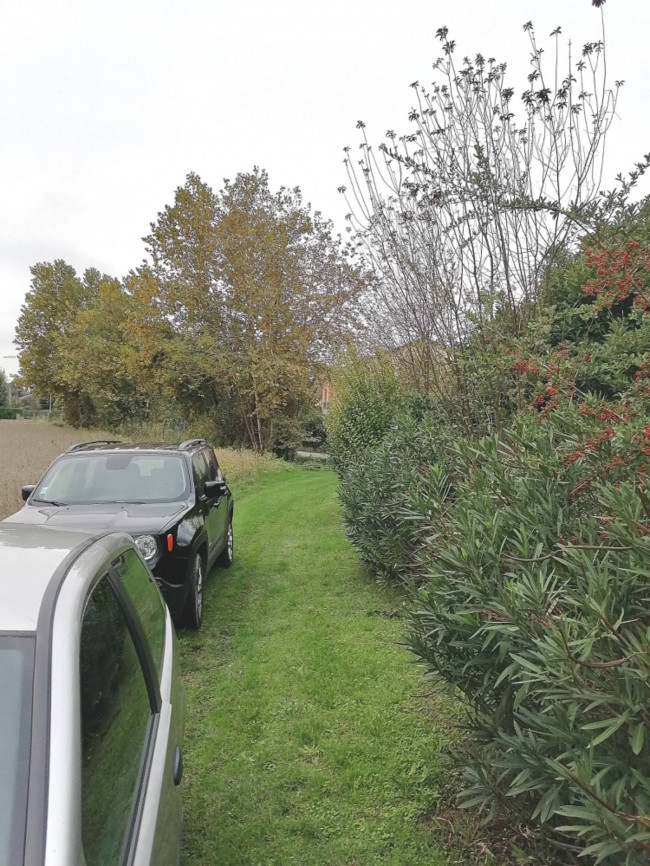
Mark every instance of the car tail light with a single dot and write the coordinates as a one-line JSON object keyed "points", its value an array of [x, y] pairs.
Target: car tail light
{"points": [[170, 542]]}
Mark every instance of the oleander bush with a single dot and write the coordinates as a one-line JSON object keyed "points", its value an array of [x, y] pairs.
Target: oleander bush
{"points": [[384, 497], [536, 610], [523, 542], [367, 396]]}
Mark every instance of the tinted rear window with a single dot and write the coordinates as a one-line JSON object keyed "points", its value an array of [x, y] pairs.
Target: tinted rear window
{"points": [[146, 599], [115, 723], [200, 469], [115, 477], [16, 674]]}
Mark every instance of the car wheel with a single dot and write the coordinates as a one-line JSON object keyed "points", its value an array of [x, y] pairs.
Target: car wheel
{"points": [[228, 553], [192, 615]]}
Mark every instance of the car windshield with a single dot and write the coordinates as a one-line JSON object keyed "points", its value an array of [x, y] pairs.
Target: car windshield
{"points": [[16, 673], [114, 477]]}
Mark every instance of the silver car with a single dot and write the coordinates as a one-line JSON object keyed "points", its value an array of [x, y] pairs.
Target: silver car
{"points": [[92, 708]]}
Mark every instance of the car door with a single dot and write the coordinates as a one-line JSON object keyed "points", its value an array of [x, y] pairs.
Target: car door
{"points": [[128, 738], [209, 505], [159, 836], [215, 474]]}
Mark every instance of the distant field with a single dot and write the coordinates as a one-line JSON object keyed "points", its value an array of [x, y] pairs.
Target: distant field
{"points": [[27, 448]]}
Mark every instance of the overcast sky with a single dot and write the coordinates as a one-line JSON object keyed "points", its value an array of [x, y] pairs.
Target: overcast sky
{"points": [[106, 106]]}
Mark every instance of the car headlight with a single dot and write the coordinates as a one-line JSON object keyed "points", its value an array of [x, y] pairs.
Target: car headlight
{"points": [[147, 546]]}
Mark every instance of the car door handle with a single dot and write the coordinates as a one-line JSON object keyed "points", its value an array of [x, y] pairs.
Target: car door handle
{"points": [[178, 765]]}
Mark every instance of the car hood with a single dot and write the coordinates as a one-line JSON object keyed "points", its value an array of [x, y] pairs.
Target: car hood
{"points": [[107, 517]]}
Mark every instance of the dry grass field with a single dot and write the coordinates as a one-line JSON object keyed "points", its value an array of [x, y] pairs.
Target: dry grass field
{"points": [[28, 447]]}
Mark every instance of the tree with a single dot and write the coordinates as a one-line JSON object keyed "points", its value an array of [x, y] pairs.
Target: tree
{"points": [[464, 216], [246, 293], [47, 319], [95, 357], [4, 388]]}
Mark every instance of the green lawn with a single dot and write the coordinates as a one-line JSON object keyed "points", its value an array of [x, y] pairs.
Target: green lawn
{"points": [[308, 741]]}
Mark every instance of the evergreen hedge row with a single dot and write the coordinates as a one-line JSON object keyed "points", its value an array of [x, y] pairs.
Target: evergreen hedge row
{"points": [[523, 545]]}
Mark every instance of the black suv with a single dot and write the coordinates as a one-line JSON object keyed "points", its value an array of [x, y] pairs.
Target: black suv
{"points": [[173, 500]]}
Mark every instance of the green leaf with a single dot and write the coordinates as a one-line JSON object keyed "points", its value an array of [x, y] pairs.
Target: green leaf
{"points": [[611, 729], [576, 812], [526, 664], [636, 740]]}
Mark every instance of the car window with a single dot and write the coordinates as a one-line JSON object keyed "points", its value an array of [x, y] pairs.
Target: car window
{"points": [[115, 719], [61, 476], [146, 599], [213, 466], [117, 476], [200, 470], [16, 672]]}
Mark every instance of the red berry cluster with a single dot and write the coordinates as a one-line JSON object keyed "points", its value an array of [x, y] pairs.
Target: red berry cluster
{"points": [[620, 274], [524, 367], [590, 445], [606, 414]]}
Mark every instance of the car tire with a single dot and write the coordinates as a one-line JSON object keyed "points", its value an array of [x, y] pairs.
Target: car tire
{"points": [[228, 553], [192, 615]]}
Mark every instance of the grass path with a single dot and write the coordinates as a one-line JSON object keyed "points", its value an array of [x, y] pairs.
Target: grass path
{"points": [[306, 741]]}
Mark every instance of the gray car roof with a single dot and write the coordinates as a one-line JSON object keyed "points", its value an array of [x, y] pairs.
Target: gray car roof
{"points": [[29, 558]]}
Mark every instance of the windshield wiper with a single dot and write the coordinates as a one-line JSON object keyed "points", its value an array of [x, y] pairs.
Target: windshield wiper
{"points": [[51, 501]]}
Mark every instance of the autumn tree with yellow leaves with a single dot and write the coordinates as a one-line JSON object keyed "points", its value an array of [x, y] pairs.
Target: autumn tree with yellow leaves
{"points": [[71, 339], [244, 297], [242, 300]]}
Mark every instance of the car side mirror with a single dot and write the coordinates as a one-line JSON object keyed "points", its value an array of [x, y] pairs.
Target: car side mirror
{"points": [[27, 491], [215, 488]]}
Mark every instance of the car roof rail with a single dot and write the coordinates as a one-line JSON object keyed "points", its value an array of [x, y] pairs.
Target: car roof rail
{"points": [[191, 443], [81, 445]]}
